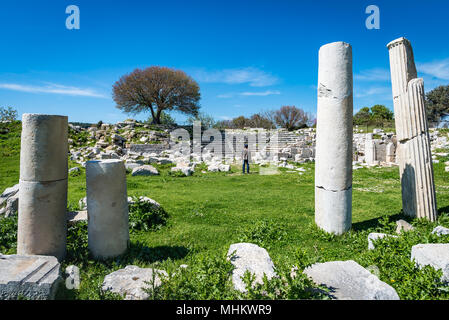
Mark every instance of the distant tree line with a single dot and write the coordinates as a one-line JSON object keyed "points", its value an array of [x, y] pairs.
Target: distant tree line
{"points": [[288, 117]]}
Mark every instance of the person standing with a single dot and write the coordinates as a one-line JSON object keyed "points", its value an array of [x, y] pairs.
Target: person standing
{"points": [[245, 157]]}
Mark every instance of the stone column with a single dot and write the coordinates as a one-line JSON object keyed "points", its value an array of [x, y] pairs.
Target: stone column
{"points": [[370, 150], [42, 225], [390, 153], [333, 168], [107, 208], [413, 148]]}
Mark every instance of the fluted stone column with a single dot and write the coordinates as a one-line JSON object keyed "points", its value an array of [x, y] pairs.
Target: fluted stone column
{"points": [[333, 168], [413, 150], [107, 208], [42, 225]]}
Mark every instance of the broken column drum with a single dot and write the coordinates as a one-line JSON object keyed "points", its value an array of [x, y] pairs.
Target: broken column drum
{"points": [[333, 168], [413, 148], [42, 222], [107, 208]]}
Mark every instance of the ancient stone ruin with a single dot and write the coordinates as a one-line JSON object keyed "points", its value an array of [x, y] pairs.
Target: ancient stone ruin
{"points": [[414, 155], [43, 186], [333, 163], [107, 207]]}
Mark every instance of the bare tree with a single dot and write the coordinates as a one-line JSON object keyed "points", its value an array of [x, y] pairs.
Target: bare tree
{"points": [[157, 89], [291, 117], [259, 120]]}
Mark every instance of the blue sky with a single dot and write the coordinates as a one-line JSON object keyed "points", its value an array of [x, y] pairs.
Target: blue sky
{"points": [[246, 55]]}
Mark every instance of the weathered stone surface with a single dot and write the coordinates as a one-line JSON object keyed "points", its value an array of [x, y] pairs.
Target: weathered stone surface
{"points": [[252, 258], [370, 151], [224, 167], [432, 254], [130, 282], [107, 207], [145, 170], [75, 217], [440, 231], [74, 170], [12, 205], [144, 199], [42, 223], [375, 236], [187, 171], [44, 146], [328, 203], [32, 277], [402, 225], [413, 151], [333, 169], [9, 192], [347, 280], [213, 168]]}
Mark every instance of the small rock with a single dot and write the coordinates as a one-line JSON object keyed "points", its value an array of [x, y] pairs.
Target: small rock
{"points": [[131, 281], [12, 205], [440, 231], [75, 217], [187, 171], [252, 258], [9, 192], [347, 280], [432, 254], [402, 225], [375, 236], [224, 167], [74, 170], [145, 170], [213, 168]]}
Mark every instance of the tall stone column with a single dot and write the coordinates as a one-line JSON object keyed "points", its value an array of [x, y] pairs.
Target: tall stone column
{"points": [[107, 208], [42, 225], [413, 147], [333, 168]]}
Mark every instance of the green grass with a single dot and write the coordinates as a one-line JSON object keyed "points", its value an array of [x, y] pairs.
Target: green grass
{"points": [[208, 212]]}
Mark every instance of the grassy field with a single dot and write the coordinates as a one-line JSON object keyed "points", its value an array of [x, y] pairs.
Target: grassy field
{"points": [[208, 212]]}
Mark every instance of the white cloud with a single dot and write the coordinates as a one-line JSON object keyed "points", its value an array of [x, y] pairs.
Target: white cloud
{"points": [[438, 69], [224, 118], [376, 74], [382, 92], [262, 94], [248, 94], [225, 95], [53, 89], [249, 75]]}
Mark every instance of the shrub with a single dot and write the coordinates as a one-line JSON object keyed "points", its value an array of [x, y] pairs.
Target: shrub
{"points": [[263, 233], [8, 234], [146, 216]]}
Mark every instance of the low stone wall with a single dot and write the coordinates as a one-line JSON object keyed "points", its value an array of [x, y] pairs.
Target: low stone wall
{"points": [[148, 148]]}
